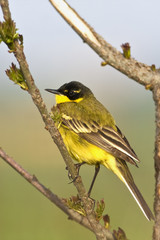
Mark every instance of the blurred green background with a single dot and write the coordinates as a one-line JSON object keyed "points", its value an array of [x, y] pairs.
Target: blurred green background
{"points": [[57, 55]]}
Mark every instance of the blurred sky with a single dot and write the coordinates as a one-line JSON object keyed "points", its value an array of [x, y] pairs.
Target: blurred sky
{"points": [[57, 55]]}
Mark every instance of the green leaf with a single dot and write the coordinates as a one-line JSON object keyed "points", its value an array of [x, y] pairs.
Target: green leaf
{"points": [[15, 74], [100, 209], [8, 34], [153, 67], [74, 203], [126, 50]]}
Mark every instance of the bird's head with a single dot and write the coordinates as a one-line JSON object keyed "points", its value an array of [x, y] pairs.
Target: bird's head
{"points": [[71, 92]]}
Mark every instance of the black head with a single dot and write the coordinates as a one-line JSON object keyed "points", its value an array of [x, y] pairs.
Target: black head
{"points": [[72, 90]]}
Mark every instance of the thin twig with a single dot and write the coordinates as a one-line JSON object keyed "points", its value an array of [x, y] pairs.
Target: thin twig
{"points": [[135, 70], [37, 99], [140, 72], [156, 97], [32, 179], [100, 232], [6, 12]]}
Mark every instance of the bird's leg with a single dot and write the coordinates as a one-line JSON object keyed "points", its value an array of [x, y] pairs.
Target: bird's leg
{"points": [[77, 165], [97, 168]]}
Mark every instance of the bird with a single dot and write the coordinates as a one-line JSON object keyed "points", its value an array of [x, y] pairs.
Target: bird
{"points": [[91, 136]]}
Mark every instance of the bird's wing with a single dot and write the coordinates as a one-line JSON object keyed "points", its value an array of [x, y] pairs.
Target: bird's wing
{"points": [[114, 142]]}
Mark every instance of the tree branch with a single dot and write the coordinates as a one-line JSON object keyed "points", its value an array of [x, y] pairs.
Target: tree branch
{"points": [[5, 9], [156, 97], [135, 70], [45, 191], [97, 228], [140, 72], [38, 101]]}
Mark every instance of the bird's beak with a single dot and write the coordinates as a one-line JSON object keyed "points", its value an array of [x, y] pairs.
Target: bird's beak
{"points": [[54, 91]]}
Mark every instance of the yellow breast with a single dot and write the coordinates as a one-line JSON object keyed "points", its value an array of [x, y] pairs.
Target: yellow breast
{"points": [[83, 151]]}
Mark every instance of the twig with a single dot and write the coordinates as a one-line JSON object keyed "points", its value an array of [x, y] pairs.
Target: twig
{"points": [[37, 99], [6, 12], [90, 224], [100, 232], [140, 72], [156, 97], [45, 191], [135, 70]]}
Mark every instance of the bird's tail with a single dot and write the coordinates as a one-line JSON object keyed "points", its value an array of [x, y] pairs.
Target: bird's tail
{"points": [[125, 176], [139, 198]]}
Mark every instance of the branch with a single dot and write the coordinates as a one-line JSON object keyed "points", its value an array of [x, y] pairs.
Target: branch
{"points": [[38, 101], [139, 72], [17, 49], [45, 191], [156, 97]]}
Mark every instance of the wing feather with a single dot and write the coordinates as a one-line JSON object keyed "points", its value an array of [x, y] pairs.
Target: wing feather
{"points": [[105, 137]]}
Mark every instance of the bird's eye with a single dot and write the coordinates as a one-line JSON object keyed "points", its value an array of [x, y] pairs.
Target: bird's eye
{"points": [[73, 94]]}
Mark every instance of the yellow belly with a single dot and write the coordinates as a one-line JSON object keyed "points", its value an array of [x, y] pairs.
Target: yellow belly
{"points": [[80, 149], [83, 151]]}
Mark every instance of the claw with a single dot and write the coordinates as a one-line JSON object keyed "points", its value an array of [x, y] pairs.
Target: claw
{"points": [[77, 165]]}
